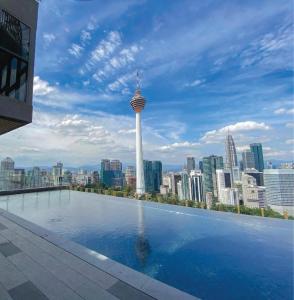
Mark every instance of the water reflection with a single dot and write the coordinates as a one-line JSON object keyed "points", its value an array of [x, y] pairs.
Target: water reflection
{"points": [[142, 247]]}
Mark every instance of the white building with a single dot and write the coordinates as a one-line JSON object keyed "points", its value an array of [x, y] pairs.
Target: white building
{"points": [[223, 181], [279, 184], [196, 186], [230, 196], [253, 195]]}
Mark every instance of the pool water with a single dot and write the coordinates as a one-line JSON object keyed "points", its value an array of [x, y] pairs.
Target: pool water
{"points": [[211, 255]]}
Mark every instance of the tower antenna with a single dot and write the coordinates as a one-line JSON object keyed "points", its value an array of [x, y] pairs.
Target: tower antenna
{"points": [[138, 81]]}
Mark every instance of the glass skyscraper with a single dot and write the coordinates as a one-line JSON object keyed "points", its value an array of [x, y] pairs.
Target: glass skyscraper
{"points": [[157, 174], [148, 176], [256, 149], [210, 165]]}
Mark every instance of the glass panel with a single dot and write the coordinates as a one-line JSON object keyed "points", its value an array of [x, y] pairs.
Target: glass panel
{"points": [[13, 71], [23, 87], [3, 76], [16, 71], [15, 36]]}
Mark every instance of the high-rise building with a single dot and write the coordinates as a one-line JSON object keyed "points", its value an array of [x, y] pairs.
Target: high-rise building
{"points": [[148, 176], [256, 149], [18, 24], [185, 187], [190, 164], [196, 186], [223, 181], [236, 174], [130, 176], [175, 178], [105, 172], [231, 154], [116, 173], [138, 104], [57, 174], [201, 166], [157, 175], [6, 174], [248, 160], [279, 184], [253, 195], [210, 165]]}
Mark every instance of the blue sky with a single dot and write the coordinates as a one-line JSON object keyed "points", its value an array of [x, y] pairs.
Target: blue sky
{"points": [[207, 66]]}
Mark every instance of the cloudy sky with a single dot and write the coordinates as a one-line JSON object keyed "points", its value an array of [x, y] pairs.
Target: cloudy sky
{"points": [[207, 66]]}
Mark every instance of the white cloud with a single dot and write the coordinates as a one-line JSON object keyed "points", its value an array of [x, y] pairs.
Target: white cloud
{"points": [[42, 87], [177, 145], [290, 125], [54, 96], [284, 111], [290, 142], [105, 48], [75, 50], [48, 38], [242, 148], [194, 83], [216, 136]]}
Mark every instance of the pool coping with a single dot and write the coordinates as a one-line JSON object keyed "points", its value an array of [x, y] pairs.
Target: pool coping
{"points": [[148, 285]]}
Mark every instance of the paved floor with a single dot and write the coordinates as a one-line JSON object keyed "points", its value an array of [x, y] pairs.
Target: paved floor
{"points": [[31, 267]]}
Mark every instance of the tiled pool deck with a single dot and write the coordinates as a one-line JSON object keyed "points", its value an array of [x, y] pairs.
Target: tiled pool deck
{"points": [[37, 264]]}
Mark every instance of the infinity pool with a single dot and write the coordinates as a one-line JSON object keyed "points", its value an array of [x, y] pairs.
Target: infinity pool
{"points": [[212, 255]]}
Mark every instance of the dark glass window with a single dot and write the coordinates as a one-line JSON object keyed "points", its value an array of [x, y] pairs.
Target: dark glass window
{"points": [[14, 55]]}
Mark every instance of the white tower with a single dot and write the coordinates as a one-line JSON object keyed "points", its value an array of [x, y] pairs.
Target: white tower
{"points": [[138, 103]]}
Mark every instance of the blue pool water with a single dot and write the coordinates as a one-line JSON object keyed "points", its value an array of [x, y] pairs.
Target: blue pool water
{"points": [[211, 255]]}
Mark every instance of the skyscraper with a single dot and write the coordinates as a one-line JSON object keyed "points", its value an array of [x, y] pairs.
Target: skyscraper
{"points": [[196, 186], [231, 154], [190, 164], [248, 160], [279, 185], [148, 176], [105, 172], [210, 165], [256, 148], [138, 104], [116, 173], [157, 175]]}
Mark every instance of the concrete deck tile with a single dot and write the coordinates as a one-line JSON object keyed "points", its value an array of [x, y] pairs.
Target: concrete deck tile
{"points": [[92, 291], [3, 239], [27, 291], [125, 292], [159, 290], [10, 276], [44, 280], [4, 294], [2, 226], [8, 249]]}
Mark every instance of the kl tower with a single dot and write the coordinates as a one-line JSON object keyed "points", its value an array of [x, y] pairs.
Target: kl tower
{"points": [[138, 103]]}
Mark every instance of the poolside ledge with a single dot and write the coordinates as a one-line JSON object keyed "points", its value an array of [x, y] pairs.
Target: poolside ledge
{"points": [[38, 264]]}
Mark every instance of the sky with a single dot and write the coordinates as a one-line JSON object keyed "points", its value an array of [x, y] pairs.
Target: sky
{"points": [[206, 67]]}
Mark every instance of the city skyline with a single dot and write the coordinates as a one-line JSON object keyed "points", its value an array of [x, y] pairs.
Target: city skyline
{"points": [[84, 76]]}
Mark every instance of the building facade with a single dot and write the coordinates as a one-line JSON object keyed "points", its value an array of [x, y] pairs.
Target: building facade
{"points": [[18, 24], [210, 165], [157, 175], [257, 151], [248, 160], [279, 184], [190, 164]]}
